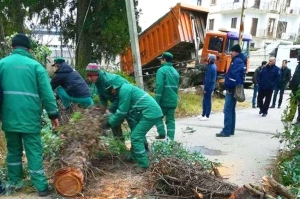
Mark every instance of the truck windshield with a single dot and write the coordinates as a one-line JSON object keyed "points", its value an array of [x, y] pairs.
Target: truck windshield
{"points": [[245, 46]]}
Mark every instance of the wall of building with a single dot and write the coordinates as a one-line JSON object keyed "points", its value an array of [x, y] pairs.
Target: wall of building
{"points": [[224, 10]]}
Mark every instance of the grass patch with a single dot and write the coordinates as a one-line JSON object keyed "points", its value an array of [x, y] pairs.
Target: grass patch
{"points": [[2, 146], [190, 104]]}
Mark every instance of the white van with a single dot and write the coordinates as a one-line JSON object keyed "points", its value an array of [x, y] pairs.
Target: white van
{"points": [[290, 53], [281, 50]]}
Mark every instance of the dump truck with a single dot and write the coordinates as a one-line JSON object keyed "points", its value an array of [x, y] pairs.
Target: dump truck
{"points": [[182, 32]]}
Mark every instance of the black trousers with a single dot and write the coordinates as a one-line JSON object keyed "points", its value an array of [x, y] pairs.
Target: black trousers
{"points": [[264, 105]]}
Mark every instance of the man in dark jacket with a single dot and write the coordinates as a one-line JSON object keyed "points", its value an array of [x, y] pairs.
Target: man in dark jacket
{"points": [[254, 81], [284, 80], [71, 87], [294, 85], [209, 86], [235, 76], [268, 78]]}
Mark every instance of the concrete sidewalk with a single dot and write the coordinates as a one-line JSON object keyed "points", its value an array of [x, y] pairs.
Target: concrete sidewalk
{"points": [[245, 156]]}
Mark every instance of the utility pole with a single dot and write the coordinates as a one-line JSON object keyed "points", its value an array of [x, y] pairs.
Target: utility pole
{"points": [[134, 43], [241, 33]]}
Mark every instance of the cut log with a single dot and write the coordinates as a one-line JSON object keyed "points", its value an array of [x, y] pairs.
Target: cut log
{"points": [[197, 194], [257, 192], [78, 148], [216, 171], [280, 189], [68, 181]]}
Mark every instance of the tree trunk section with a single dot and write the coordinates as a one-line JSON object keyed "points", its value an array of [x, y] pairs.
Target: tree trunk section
{"points": [[84, 42], [2, 34], [17, 16]]}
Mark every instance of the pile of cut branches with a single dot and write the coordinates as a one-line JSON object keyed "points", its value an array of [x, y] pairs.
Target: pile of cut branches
{"points": [[177, 178]]}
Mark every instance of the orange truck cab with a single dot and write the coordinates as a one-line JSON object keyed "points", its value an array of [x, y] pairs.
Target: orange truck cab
{"points": [[220, 43], [182, 32]]}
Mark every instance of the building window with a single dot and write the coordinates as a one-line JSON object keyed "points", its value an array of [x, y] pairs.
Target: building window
{"points": [[211, 24], [252, 45], [213, 2], [288, 3], [233, 22], [281, 28], [254, 26], [256, 4], [236, 1], [271, 26]]}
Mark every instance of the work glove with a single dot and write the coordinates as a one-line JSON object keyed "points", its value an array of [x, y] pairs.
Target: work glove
{"points": [[105, 124]]}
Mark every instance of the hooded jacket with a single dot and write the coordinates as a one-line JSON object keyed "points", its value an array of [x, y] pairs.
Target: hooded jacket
{"points": [[167, 85], [104, 82], [71, 81], [236, 73], [26, 88], [210, 77], [134, 103], [269, 77]]}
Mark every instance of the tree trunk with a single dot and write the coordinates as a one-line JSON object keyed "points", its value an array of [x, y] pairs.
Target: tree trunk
{"points": [[84, 42], [17, 15], [2, 34]]}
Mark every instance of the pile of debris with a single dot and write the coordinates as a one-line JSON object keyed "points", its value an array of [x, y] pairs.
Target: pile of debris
{"points": [[175, 178]]}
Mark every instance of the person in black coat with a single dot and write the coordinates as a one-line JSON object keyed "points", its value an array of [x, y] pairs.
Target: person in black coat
{"points": [[70, 86], [268, 78], [284, 80], [255, 83]]}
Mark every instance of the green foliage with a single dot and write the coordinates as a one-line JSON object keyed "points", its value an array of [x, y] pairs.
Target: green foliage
{"points": [[38, 51], [129, 78], [50, 140], [161, 149], [289, 159], [115, 147]]}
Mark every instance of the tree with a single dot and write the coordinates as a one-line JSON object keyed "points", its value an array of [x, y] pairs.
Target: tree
{"points": [[101, 29], [98, 27]]}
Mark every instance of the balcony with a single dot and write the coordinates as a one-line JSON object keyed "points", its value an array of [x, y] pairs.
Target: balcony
{"points": [[262, 7], [292, 11], [231, 6], [260, 33], [287, 36]]}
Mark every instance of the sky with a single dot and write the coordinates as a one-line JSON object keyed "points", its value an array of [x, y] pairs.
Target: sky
{"points": [[152, 10]]}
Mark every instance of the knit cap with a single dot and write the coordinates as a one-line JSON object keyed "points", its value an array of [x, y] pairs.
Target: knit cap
{"points": [[212, 57], [92, 69], [20, 40]]}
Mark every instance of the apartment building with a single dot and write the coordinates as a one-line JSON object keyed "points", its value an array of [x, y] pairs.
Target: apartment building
{"points": [[266, 20]]}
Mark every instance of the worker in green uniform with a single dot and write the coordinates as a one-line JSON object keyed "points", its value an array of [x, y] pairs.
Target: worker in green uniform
{"points": [[101, 79], [166, 95], [26, 88], [135, 103]]}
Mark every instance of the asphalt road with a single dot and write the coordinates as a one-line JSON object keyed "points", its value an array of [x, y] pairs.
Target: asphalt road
{"points": [[247, 155]]}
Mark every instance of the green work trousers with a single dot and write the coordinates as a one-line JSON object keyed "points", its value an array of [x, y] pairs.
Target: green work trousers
{"points": [[137, 137], [169, 113], [66, 100], [34, 153]]}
